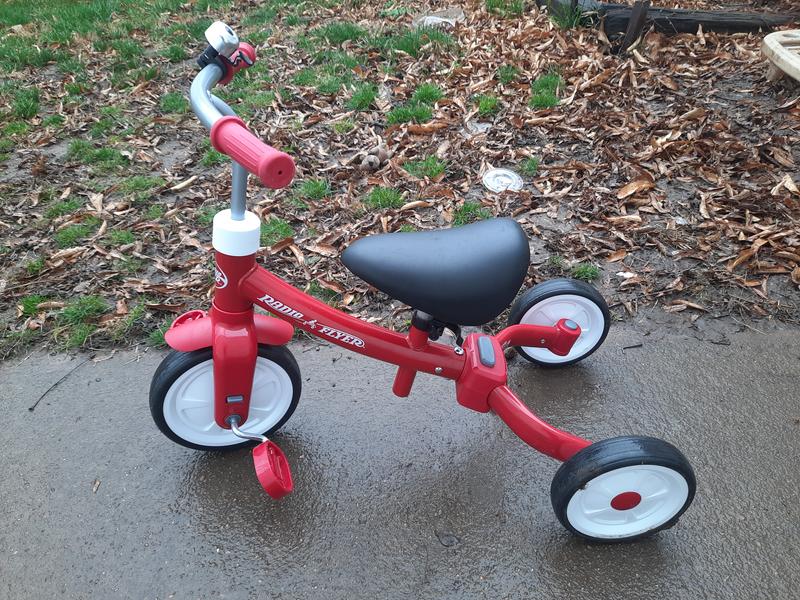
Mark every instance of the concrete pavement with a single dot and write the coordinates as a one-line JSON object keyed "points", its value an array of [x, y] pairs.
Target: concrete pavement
{"points": [[400, 498]]}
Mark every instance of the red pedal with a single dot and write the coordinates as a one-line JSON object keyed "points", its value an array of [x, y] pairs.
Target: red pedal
{"points": [[272, 470]]}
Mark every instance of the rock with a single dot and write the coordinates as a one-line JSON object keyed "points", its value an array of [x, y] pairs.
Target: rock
{"points": [[446, 18]]}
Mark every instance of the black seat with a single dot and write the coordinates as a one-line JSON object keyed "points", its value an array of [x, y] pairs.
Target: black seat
{"points": [[463, 276]]}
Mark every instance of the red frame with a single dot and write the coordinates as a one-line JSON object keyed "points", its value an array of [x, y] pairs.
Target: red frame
{"points": [[234, 332]]}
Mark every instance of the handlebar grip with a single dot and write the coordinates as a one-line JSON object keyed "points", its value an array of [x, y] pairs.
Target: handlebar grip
{"points": [[230, 136]]}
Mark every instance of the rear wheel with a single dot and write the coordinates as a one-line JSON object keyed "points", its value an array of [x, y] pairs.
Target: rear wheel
{"points": [[182, 397], [622, 489], [551, 301]]}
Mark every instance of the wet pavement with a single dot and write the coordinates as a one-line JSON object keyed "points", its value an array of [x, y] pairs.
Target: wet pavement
{"points": [[401, 498]]}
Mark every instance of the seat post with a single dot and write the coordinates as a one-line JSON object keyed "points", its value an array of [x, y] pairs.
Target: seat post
{"points": [[417, 339]]}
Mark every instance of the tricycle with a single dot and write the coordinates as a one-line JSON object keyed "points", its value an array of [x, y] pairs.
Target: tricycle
{"points": [[230, 380]]}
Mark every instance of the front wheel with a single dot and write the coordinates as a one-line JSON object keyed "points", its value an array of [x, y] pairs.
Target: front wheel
{"points": [[622, 489], [549, 302], [182, 398]]}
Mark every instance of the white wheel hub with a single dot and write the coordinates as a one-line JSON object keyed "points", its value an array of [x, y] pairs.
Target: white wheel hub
{"points": [[189, 404], [628, 501], [550, 311]]}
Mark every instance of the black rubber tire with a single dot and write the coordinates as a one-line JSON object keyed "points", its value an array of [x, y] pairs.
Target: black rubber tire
{"points": [[608, 455], [176, 363], [558, 287]]}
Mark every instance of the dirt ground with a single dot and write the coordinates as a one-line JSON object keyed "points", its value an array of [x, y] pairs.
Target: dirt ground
{"points": [[669, 175]]}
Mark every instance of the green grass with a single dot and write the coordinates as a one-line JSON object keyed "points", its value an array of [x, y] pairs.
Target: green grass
{"points": [[381, 197], [274, 230], [322, 293], [260, 99], [154, 212], [565, 16], [156, 337], [78, 335], [82, 310], [174, 102], [529, 166], [16, 128], [363, 97], [330, 84], [507, 73], [205, 216], [314, 189], [140, 187], [506, 8], [427, 93], [305, 77], [343, 126], [339, 32], [211, 156], [103, 158], [556, 262], [71, 235], [26, 103], [469, 212], [17, 52], [413, 41], [120, 237], [35, 266], [175, 53], [487, 105], [585, 272], [544, 90], [129, 264], [61, 208], [29, 304], [430, 167], [418, 113], [53, 121]]}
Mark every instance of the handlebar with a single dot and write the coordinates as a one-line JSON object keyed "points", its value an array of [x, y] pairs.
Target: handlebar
{"points": [[229, 134]]}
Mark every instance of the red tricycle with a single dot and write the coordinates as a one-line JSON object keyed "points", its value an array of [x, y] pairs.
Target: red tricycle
{"points": [[230, 379]]}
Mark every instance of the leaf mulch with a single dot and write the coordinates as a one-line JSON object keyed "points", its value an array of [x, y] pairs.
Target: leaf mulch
{"points": [[674, 169]]}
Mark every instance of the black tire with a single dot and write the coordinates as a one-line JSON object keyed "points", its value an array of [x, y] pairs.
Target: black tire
{"points": [[176, 363], [601, 458], [550, 289]]}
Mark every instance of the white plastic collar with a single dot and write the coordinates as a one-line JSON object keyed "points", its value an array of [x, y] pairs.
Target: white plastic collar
{"points": [[236, 238]]}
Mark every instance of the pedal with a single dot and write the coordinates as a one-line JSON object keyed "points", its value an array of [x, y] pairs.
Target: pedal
{"points": [[272, 470]]}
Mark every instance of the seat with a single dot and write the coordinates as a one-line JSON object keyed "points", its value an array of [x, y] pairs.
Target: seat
{"points": [[463, 276]]}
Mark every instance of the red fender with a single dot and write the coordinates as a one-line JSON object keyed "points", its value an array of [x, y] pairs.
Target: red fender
{"points": [[193, 331]]}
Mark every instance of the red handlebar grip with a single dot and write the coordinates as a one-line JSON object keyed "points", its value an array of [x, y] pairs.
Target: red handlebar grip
{"points": [[230, 136]]}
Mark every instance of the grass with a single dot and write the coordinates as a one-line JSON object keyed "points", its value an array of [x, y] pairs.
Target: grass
{"points": [[507, 73], [29, 304], [103, 158], [544, 90], [83, 309], [175, 53], [418, 113], [322, 293], [156, 337], [529, 166], [556, 262], [363, 97], [330, 84], [140, 187], [17, 52], [469, 212], [174, 102], [211, 156], [338, 32], [505, 8], [566, 17], [61, 208], [427, 93], [585, 272], [343, 126], [26, 103], [71, 235], [414, 40], [35, 266], [154, 212], [314, 189], [274, 230], [381, 197], [205, 216], [487, 105], [121, 237], [305, 77], [53, 121], [430, 167]]}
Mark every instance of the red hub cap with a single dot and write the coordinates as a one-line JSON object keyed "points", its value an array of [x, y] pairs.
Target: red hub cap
{"points": [[625, 501]]}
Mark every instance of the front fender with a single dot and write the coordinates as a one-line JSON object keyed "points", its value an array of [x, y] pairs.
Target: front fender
{"points": [[193, 331]]}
